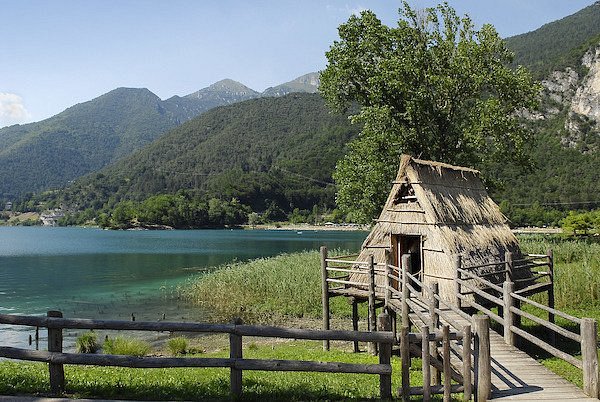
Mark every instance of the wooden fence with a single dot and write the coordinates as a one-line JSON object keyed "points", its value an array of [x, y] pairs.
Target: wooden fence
{"points": [[508, 300], [56, 358], [439, 337]]}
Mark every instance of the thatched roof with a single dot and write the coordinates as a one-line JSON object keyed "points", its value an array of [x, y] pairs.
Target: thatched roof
{"points": [[447, 205]]}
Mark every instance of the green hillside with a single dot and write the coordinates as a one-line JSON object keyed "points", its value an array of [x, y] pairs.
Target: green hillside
{"points": [[558, 44], [82, 139], [276, 152]]}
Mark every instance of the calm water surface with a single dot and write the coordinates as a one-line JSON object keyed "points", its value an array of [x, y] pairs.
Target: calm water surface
{"points": [[92, 273]]}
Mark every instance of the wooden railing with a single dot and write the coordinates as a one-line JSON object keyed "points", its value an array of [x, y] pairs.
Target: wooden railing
{"points": [[438, 338], [56, 358], [477, 292]]}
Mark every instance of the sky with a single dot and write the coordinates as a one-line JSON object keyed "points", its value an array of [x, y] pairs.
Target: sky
{"points": [[55, 54]]}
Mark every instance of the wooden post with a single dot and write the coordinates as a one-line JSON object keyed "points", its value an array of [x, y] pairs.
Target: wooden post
{"points": [[466, 358], [508, 258], [589, 355], [325, 293], [55, 343], [388, 281], [509, 335], [235, 352], [385, 356], [483, 368], [405, 291], [405, 358], [458, 277], [508, 261], [372, 300], [551, 318], [426, 363], [447, 368], [434, 304], [355, 322]]}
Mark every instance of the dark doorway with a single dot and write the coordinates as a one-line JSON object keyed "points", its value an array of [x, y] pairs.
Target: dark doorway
{"points": [[410, 244]]}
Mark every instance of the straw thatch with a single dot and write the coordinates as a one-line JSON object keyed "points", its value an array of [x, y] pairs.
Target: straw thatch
{"points": [[449, 209]]}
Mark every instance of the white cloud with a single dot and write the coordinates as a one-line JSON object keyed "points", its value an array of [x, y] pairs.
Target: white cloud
{"points": [[12, 110]]}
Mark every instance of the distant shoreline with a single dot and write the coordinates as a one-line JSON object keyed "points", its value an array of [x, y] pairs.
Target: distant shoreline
{"points": [[305, 226]]}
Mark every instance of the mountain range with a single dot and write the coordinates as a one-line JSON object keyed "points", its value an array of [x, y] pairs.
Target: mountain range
{"points": [[280, 151], [88, 136]]}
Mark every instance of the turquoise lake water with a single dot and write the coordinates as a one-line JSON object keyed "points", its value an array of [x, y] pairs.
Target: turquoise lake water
{"points": [[92, 273]]}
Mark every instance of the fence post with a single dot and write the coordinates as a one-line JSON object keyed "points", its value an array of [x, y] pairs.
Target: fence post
{"points": [[325, 294], [405, 358], [372, 310], [235, 352], [355, 322], [388, 281], [446, 359], [55, 343], [550, 255], [457, 279], [509, 335], [426, 364], [483, 369], [434, 304], [508, 261], [466, 358], [589, 355], [405, 291], [385, 356]]}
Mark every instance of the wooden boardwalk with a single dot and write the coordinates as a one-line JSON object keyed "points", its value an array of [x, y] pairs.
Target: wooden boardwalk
{"points": [[517, 376]]}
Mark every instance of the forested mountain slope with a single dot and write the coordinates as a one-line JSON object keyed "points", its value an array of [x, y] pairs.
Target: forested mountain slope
{"points": [[264, 151]]}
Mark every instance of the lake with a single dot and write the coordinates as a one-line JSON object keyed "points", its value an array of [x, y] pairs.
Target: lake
{"points": [[93, 273]]}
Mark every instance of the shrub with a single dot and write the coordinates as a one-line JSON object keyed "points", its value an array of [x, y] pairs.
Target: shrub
{"points": [[177, 346], [126, 346], [87, 343]]}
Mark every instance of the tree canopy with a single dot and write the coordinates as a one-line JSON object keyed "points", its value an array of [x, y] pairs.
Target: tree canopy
{"points": [[433, 87]]}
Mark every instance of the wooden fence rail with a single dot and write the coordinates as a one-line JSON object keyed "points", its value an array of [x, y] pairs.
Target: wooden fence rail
{"points": [[509, 302], [436, 338], [56, 358]]}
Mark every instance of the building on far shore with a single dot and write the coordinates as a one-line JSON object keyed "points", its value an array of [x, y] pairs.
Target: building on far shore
{"points": [[51, 218]]}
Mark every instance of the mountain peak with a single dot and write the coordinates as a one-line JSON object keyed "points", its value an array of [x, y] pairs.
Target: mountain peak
{"points": [[227, 90], [305, 83]]}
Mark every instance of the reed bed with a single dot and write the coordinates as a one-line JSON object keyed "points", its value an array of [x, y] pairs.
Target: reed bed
{"points": [[264, 290], [576, 267]]}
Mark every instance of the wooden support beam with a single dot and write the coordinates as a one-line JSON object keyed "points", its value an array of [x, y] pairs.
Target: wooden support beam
{"points": [[55, 344], [483, 367], [509, 336], [466, 358], [372, 301], [384, 322], [589, 355], [325, 294], [551, 318], [235, 352]]}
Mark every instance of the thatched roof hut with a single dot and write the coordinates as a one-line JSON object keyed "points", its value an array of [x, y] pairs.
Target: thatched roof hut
{"points": [[435, 212]]}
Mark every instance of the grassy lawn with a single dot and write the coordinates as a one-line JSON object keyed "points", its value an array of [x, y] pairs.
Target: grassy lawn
{"points": [[212, 384], [287, 290]]}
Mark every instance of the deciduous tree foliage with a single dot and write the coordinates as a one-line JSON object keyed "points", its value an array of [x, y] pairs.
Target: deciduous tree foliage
{"points": [[433, 87]]}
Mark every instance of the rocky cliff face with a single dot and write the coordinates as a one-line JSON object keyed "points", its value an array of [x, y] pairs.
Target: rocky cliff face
{"points": [[577, 97], [587, 98]]}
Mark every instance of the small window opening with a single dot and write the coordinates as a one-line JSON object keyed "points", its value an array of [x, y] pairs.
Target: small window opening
{"points": [[405, 195]]}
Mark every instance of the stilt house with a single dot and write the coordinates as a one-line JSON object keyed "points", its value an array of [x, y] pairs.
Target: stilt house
{"points": [[436, 212]]}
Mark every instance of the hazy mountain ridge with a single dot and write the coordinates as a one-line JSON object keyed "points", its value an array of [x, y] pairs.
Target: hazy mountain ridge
{"points": [[272, 149], [90, 135]]}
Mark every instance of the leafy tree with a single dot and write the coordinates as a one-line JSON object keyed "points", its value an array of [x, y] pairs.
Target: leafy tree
{"points": [[433, 87]]}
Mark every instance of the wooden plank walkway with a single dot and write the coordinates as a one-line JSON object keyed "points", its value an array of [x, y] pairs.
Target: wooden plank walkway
{"points": [[519, 377]]}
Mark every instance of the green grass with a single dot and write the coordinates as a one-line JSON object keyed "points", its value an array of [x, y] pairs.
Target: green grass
{"points": [[209, 383], [87, 343], [126, 346], [178, 345]]}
